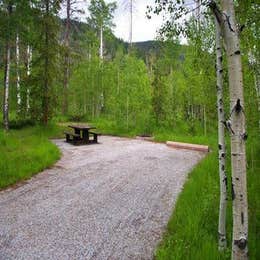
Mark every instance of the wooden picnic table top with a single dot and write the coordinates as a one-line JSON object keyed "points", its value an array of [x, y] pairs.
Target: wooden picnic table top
{"points": [[82, 127]]}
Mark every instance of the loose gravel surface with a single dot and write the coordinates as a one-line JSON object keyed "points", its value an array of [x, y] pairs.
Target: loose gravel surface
{"points": [[106, 201]]}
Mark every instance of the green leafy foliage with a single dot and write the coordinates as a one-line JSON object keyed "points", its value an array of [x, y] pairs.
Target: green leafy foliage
{"points": [[26, 152]]}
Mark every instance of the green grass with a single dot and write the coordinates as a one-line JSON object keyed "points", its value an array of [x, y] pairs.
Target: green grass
{"points": [[26, 152], [192, 229], [112, 128]]}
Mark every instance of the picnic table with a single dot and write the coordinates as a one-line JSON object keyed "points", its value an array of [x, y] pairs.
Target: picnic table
{"points": [[82, 135]]}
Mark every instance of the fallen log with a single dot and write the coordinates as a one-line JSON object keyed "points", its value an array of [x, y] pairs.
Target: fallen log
{"points": [[195, 147]]}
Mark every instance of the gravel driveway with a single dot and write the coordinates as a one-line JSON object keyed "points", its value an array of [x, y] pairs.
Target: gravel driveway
{"points": [[105, 201]]}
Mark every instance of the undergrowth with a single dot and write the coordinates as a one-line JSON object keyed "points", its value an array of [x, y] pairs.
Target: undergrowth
{"points": [[25, 152]]}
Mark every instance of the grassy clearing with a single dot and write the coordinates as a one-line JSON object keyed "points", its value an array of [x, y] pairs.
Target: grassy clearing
{"points": [[111, 128], [26, 152], [192, 229]]}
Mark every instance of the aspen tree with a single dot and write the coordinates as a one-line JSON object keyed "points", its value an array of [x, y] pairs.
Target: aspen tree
{"points": [[46, 98], [101, 42], [101, 15], [131, 24], [7, 72], [221, 141], [28, 72], [66, 59], [230, 31], [18, 86]]}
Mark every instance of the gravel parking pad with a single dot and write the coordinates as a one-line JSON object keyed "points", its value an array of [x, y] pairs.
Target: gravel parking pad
{"points": [[106, 201]]}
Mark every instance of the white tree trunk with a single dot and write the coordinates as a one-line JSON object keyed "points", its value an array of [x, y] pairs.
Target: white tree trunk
{"points": [[6, 88], [222, 243], [118, 83], [205, 120], [131, 23], [66, 60], [238, 153], [198, 4], [127, 111], [257, 89], [18, 86], [7, 73], [101, 43], [29, 60]]}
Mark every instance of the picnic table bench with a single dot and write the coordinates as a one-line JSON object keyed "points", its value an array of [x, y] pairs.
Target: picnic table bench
{"points": [[82, 135], [95, 135]]}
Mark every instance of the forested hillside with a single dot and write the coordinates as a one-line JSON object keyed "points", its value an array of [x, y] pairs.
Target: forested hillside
{"points": [[157, 73]]}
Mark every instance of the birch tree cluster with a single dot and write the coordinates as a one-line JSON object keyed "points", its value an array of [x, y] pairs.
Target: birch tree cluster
{"points": [[233, 52]]}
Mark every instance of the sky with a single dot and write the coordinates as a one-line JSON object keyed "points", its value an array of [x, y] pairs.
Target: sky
{"points": [[143, 29]]}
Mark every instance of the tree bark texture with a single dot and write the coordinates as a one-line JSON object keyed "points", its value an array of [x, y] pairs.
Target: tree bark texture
{"points": [[257, 89], [18, 86], [7, 76], [45, 103], [204, 120], [66, 60], [131, 24], [29, 61], [226, 18], [221, 142], [101, 42], [6, 87]]}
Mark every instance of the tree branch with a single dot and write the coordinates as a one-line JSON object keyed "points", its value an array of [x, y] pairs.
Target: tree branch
{"points": [[214, 8]]}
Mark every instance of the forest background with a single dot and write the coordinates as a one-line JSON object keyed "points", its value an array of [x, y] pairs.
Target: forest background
{"points": [[57, 73]]}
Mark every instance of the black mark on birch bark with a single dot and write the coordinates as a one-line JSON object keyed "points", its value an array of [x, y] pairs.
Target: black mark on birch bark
{"points": [[226, 181], [241, 243], [238, 107], [242, 27], [244, 136], [232, 191]]}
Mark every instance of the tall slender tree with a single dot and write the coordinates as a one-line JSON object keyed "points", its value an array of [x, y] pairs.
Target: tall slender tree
{"points": [[221, 141], [66, 58], [18, 85], [236, 124], [46, 48], [9, 9], [227, 21], [28, 73], [101, 15]]}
